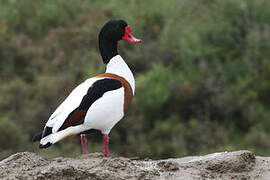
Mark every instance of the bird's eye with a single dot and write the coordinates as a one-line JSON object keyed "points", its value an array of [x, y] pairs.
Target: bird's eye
{"points": [[129, 36]]}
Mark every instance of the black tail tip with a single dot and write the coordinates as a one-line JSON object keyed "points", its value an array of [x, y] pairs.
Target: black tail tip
{"points": [[45, 146], [37, 137]]}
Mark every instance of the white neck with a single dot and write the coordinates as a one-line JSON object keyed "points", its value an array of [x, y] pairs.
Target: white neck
{"points": [[118, 66]]}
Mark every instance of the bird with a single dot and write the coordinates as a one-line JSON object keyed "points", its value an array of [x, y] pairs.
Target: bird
{"points": [[100, 101]]}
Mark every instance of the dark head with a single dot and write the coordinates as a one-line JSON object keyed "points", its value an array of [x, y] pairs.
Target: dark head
{"points": [[110, 34]]}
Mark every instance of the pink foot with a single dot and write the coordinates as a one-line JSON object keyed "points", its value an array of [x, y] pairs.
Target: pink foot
{"points": [[83, 143], [106, 144]]}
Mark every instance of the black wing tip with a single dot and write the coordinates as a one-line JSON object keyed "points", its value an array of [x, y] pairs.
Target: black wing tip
{"points": [[47, 131], [45, 146], [37, 137]]}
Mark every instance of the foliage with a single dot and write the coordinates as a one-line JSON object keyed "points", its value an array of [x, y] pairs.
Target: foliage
{"points": [[202, 73]]}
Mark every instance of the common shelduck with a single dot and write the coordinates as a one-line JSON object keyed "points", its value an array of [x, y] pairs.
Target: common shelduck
{"points": [[99, 102]]}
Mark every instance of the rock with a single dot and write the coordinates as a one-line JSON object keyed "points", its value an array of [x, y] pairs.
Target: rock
{"points": [[223, 165]]}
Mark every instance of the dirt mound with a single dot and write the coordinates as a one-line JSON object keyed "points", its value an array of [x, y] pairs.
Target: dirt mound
{"points": [[224, 165]]}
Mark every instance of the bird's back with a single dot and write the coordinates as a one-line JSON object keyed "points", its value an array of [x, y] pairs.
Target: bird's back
{"points": [[73, 100]]}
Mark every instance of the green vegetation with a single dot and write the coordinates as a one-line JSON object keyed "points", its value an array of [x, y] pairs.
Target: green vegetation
{"points": [[202, 73]]}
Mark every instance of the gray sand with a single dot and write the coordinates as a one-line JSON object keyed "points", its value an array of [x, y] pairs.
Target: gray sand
{"points": [[242, 165]]}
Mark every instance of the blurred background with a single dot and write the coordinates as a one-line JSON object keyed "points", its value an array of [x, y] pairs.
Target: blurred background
{"points": [[202, 74]]}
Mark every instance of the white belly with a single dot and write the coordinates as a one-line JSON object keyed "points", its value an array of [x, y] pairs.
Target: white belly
{"points": [[105, 112]]}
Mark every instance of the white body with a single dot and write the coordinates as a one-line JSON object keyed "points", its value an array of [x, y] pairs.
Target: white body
{"points": [[102, 115]]}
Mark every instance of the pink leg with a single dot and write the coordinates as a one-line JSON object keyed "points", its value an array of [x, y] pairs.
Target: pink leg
{"points": [[106, 144], [83, 143]]}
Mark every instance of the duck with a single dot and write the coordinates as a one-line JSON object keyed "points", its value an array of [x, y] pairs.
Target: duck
{"points": [[99, 102]]}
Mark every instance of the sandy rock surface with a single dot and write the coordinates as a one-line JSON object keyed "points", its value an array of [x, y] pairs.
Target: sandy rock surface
{"points": [[242, 165]]}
